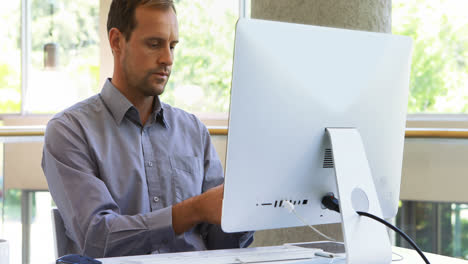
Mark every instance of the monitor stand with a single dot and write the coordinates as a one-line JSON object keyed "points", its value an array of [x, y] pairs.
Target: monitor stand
{"points": [[366, 241]]}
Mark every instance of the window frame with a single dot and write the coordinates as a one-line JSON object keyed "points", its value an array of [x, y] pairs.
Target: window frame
{"points": [[215, 118], [26, 47], [420, 120]]}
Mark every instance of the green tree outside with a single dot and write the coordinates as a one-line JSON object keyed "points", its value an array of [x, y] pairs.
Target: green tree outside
{"points": [[439, 28], [202, 72], [73, 26], [10, 58], [201, 77]]}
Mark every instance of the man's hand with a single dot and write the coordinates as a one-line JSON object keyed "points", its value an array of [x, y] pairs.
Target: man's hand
{"points": [[206, 207], [210, 205]]}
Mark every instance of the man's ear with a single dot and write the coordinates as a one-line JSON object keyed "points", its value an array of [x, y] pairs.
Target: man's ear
{"points": [[115, 40]]}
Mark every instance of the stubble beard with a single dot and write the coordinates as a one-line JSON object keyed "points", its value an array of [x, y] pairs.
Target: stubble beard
{"points": [[150, 86], [145, 85]]}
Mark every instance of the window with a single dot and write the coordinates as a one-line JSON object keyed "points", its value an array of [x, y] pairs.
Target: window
{"points": [[439, 28], [440, 228], [71, 29], [27, 83], [10, 57], [438, 98], [200, 82], [201, 77]]}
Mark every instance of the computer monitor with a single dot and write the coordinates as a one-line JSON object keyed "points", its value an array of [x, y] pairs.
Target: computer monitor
{"points": [[289, 83]]}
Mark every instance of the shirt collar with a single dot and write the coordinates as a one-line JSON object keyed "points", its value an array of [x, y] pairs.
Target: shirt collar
{"points": [[119, 105], [158, 112]]}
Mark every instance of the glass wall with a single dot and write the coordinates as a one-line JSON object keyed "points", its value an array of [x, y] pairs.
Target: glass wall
{"points": [[440, 228]]}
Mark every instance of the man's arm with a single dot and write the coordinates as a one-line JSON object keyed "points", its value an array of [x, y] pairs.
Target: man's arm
{"points": [[202, 208], [92, 218]]}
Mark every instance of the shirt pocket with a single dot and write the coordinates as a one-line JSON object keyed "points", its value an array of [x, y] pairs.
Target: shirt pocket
{"points": [[187, 176]]}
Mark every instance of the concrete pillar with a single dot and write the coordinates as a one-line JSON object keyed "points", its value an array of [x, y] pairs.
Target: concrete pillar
{"points": [[368, 15]]}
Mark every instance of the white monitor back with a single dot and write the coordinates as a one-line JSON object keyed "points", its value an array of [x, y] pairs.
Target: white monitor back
{"points": [[289, 83]]}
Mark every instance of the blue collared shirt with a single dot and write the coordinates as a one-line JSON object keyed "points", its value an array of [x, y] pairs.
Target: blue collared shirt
{"points": [[115, 180]]}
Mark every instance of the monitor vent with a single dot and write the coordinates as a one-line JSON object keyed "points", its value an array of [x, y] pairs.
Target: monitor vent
{"points": [[328, 159]]}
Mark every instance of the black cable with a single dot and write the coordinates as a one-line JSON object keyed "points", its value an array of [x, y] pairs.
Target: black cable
{"points": [[332, 203], [396, 229]]}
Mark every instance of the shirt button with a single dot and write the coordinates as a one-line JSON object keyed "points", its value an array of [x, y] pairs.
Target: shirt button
{"points": [[150, 163], [156, 199]]}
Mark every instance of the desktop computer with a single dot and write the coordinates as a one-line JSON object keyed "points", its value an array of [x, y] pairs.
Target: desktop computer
{"points": [[316, 111]]}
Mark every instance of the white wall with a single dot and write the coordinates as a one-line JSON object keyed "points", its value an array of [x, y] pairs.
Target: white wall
{"points": [[435, 170]]}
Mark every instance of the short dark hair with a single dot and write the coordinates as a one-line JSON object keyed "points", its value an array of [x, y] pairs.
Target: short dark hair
{"points": [[122, 13]]}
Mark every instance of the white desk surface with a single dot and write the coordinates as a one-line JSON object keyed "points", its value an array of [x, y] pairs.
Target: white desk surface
{"points": [[250, 255], [413, 257]]}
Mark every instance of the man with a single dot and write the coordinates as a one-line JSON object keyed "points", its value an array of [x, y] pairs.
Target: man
{"points": [[129, 174]]}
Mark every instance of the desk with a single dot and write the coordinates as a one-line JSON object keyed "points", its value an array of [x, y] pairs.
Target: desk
{"points": [[412, 257], [220, 256]]}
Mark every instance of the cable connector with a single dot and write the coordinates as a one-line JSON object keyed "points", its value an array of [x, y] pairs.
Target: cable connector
{"points": [[330, 202], [288, 205]]}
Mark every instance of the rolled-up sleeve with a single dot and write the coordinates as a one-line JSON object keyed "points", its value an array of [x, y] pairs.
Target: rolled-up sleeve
{"points": [[91, 216]]}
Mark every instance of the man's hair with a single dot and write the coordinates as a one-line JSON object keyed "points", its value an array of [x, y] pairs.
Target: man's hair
{"points": [[122, 13]]}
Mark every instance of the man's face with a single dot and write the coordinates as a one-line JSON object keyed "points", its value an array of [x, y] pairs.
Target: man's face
{"points": [[148, 55]]}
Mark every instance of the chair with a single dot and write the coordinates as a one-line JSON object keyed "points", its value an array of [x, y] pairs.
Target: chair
{"points": [[63, 245]]}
